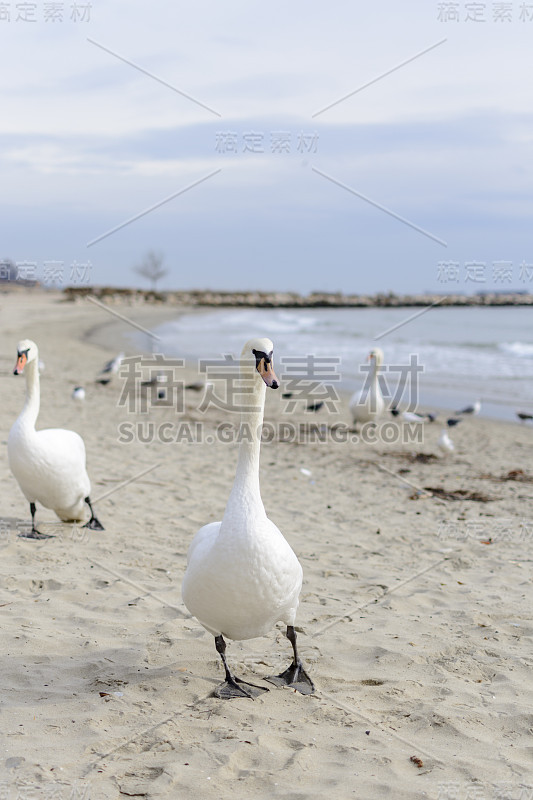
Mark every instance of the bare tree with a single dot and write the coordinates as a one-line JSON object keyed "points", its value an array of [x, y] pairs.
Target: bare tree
{"points": [[151, 267]]}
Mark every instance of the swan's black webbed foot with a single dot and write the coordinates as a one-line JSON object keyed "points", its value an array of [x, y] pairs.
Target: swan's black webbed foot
{"points": [[234, 687], [295, 674], [94, 524], [34, 533]]}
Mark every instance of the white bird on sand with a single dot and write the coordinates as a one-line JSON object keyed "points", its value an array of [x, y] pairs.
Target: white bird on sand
{"points": [[78, 393], [408, 416], [474, 409], [49, 465], [242, 575], [445, 443], [368, 404]]}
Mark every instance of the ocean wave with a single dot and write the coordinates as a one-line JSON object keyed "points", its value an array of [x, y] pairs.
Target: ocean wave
{"points": [[520, 349]]}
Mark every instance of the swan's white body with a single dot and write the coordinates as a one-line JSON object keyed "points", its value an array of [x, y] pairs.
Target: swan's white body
{"points": [[49, 465], [242, 575], [368, 405]]}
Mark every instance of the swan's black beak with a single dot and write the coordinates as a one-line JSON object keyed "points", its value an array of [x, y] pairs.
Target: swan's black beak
{"points": [[21, 363], [265, 367]]}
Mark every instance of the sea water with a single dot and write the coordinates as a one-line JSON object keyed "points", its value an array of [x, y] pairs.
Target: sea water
{"points": [[464, 354]]}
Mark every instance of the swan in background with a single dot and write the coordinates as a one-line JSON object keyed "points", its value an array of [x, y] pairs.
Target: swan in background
{"points": [[242, 575], [368, 405], [49, 465]]}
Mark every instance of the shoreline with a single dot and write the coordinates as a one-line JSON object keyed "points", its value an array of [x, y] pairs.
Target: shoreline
{"points": [[255, 299], [436, 394]]}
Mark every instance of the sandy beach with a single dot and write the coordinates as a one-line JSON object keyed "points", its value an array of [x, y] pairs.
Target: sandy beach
{"points": [[414, 619]]}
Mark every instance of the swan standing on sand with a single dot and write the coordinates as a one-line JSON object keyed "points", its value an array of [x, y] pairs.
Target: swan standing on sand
{"points": [[368, 405], [49, 465], [242, 576]]}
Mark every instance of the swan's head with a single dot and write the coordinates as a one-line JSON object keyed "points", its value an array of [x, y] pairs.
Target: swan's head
{"points": [[257, 353], [377, 356], [26, 352]]}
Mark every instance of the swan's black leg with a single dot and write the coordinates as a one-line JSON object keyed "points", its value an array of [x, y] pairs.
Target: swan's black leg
{"points": [[94, 524], [34, 533], [233, 687], [295, 674]]}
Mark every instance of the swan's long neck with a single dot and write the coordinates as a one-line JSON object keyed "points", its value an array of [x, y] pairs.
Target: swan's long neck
{"points": [[374, 385], [245, 494], [28, 415]]}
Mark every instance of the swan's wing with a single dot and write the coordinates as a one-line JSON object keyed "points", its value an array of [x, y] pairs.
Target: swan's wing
{"points": [[68, 444], [203, 539]]}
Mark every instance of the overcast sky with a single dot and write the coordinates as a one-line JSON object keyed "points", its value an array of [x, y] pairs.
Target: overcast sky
{"points": [[279, 193]]}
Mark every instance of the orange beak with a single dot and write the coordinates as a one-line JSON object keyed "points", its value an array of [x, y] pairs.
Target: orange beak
{"points": [[266, 370], [21, 363]]}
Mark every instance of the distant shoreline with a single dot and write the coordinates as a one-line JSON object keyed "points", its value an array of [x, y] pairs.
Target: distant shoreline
{"points": [[225, 299]]}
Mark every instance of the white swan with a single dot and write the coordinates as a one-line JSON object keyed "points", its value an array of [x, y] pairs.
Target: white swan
{"points": [[49, 465], [242, 576], [368, 404]]}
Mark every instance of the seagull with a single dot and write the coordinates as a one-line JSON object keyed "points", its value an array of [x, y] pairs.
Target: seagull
{"points": [[451, 422], [445, 443], [78, 393], [109, 369], [523, 416], [407, 416], [113, 365], [315, 405], [159, 377], [473, 409]]}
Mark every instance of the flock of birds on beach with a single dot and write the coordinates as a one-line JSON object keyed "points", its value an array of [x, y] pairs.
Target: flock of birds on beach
{"points": [[368, 406], [242, 576]]}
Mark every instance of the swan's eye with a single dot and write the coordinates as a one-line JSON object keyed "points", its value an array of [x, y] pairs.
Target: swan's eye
{"points": [[260, 356]]}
